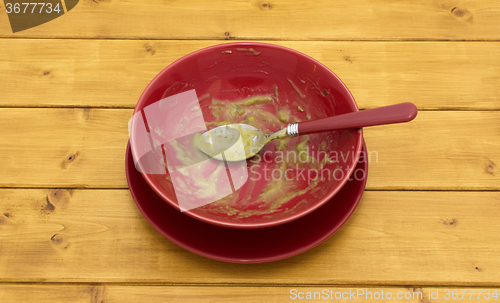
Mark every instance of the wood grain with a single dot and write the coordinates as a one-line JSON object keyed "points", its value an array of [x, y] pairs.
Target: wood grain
{"points": [[427, 222], [276, 19], [152, 294], [393, 238], [103, 73], [86, 148], [438, 150], [76, 147]]}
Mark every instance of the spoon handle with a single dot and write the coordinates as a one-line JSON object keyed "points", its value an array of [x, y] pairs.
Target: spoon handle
{"points": [[397, 113]]}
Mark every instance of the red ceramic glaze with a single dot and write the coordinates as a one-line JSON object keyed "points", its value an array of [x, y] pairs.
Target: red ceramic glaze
{"points": [[238, 70], [251, 245]]}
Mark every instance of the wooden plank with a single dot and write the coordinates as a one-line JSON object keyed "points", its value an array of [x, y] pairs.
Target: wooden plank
{"points": [[152, 294], [277, 19], [86, 148], [76, 147], [393, 238], [97, 73], [438, 150]]}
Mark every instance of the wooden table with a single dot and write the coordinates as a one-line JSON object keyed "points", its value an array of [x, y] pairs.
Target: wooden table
{"points": [[428, 221]]}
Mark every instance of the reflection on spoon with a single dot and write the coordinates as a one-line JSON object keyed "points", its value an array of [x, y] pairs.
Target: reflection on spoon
{"points": [[234, 142]]}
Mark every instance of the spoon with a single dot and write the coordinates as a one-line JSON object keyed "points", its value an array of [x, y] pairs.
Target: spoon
{"points": [[237, 142]]}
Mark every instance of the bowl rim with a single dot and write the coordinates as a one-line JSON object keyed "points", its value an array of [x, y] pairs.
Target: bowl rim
{"points": [[243, 225]]}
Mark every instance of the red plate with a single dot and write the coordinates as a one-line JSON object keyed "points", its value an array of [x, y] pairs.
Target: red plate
{"points": [[249, 245]]}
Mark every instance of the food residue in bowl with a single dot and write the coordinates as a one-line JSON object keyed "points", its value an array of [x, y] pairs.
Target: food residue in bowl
{"points": [[275, 175]]}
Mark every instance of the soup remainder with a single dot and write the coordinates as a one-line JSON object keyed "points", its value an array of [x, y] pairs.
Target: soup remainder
{"points": [[280, 167]]}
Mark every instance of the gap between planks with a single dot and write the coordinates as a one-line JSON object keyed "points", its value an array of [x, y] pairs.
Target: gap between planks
{"points": [[458, 109], [250, 39], [249, 285], [366, 190]]}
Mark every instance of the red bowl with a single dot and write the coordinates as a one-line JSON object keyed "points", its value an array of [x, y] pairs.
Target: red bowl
{"points": [[306, 88]]}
